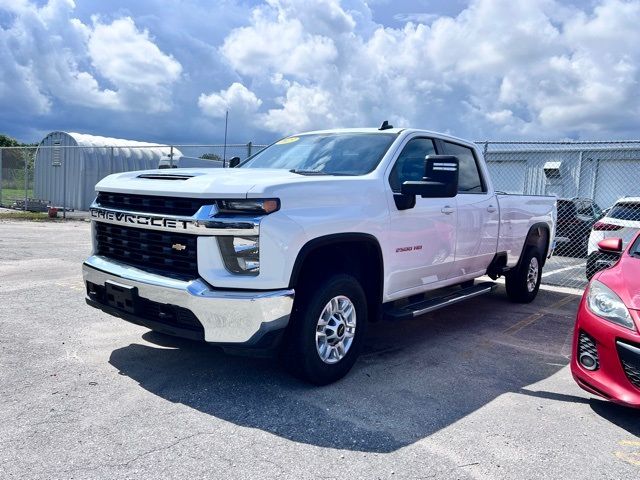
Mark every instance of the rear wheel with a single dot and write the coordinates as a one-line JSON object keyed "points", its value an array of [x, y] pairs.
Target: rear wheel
{"points": [[327, 330], [523, 282]]}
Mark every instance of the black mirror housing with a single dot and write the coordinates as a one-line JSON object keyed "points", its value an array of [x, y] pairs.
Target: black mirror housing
{"points": [[440, 178], [234, 162]]}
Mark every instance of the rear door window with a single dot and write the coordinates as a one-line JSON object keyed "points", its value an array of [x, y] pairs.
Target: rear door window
{"points": [[585, 209], [597, 211], [469, 180], [625, 211]]}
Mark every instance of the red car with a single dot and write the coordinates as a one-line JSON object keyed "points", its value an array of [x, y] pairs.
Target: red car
{"points": [[606, 343]]}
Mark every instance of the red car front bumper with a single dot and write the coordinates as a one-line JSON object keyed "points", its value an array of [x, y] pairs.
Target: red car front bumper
{"points": [[617, 377]]}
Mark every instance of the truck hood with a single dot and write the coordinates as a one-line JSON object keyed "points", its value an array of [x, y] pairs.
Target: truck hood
{"points": [[205, 182]]}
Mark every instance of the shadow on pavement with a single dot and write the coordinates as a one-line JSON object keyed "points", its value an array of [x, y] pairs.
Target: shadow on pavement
{"points": [[624, 417], [415, 377]]}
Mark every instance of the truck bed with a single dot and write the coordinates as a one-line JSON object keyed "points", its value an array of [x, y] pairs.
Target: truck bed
{"points": [[518, 213]]}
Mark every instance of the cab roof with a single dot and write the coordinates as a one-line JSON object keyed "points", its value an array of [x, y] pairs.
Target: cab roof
{"points": [[395, 131]]}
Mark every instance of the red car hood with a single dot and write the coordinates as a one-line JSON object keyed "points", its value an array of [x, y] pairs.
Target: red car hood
{"points": [[624, 279]]}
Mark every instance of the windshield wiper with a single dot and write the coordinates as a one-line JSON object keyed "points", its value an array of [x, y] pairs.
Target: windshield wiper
{"points": [[308, 172]]}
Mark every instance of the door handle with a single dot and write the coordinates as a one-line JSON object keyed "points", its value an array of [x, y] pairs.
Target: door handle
{"points": [[491, 209], [447, 210]]}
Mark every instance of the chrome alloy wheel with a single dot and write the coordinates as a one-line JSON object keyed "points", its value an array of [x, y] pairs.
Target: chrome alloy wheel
{"points": [[336, 329], [532, 274]]}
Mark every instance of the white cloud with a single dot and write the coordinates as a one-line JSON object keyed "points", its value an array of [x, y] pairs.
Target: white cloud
{"points": [[499, 68], [47, 56], [302, 109], [237, 99], [126, 56], [277, 44], [535, 69]]}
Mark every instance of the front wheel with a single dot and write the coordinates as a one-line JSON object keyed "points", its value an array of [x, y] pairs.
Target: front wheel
{"points": [[326, 330], [523, 282]]}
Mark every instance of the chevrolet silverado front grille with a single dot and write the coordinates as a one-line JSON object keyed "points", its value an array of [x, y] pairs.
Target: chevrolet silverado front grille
{"points": [[174, 206], [171, 254]]}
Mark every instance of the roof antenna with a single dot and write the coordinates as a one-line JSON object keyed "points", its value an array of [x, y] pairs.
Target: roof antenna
{"points": [[385, 125]]}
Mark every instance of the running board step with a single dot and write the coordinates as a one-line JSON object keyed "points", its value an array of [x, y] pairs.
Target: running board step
{"points": [[425, 306]]}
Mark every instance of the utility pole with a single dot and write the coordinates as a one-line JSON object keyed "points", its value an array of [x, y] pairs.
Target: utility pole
{"points": [[224, 150]]}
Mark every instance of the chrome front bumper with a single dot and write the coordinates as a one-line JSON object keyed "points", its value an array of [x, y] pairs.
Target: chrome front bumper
{"points": [[228, 317]]}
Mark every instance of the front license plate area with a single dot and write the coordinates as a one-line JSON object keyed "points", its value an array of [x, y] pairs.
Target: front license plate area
{"points": [[122, 297]]}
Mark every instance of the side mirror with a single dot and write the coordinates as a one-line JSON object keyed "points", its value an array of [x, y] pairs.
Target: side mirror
{"points": [[440, 178], [234, 162], [610, 245]]}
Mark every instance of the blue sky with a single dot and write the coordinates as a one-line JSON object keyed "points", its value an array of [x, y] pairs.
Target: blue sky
{"points": [[166, 71]]}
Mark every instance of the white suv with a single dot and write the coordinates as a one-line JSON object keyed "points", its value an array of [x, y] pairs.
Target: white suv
{"points": [[621, 221]]}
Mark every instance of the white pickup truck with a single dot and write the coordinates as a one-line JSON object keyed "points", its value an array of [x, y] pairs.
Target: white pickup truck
{"points": [[301, 246]]}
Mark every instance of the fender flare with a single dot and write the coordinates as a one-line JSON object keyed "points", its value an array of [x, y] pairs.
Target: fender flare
{"points": [[335, 239], [535, 228]]}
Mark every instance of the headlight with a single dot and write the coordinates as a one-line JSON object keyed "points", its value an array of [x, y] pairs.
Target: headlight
{"points": [[603, 302], [256, 206], [241, 255]]}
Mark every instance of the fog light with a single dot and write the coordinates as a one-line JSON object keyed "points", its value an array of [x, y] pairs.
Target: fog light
{"points": [[588, 361], [241, 255]]}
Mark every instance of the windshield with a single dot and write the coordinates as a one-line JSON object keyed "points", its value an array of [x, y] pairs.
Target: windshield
{"points": [[326, 153]]}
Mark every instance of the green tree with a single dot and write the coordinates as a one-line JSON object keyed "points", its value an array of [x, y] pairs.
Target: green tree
{"points": [[13, 163], [7, 141]]}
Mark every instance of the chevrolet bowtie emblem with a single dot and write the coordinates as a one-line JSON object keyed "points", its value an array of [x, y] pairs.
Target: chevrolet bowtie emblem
{"points": [[179, 247]]}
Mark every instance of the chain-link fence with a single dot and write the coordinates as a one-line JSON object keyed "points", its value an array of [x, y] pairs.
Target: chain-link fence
{"points": [[60, 174], [16, 177], [596, 184]]}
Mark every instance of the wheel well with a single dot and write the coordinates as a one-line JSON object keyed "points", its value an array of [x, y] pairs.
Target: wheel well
{"points": [[538, 236], [355, 254]]}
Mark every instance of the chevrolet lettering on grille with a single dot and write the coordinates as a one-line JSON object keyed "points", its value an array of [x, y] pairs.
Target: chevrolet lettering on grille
{"points": [[135, 219]]}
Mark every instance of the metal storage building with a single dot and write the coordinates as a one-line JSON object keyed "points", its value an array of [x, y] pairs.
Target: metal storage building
{"points": [[68, 165], [603, 171]]}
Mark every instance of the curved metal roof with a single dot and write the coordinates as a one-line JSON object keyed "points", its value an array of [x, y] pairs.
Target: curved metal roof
{"points": [[121, 147], [68, 164]]}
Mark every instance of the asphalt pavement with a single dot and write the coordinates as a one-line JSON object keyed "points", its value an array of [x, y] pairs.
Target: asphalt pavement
{"points": [[480, 390], [564, 271]]}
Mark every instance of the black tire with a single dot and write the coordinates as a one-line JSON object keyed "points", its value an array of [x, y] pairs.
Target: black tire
{"points": [[591, 269], [299, 350], [517, 281]]}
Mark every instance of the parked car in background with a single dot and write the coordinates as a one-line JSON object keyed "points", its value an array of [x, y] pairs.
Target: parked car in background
{"points": [[621, 221], [576, 216], [606, 344]]}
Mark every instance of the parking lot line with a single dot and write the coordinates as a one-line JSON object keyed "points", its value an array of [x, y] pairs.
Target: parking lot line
{"points": [[560, 270], [536, 316]]}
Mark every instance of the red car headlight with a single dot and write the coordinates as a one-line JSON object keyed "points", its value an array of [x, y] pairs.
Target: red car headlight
{"points": [[603, 302]]}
